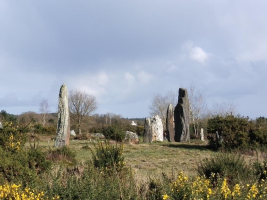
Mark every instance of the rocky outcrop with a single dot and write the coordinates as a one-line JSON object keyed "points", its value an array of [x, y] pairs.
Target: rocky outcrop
{"points": [[63, 124], [170, 124], [181, 117], [97, 135], [131, 137]]}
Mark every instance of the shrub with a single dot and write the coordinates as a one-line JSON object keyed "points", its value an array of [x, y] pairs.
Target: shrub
{"points": [[85, 147], [229, 132], [50, 130], [38, 128], [91, 184], [260, 170], [37, 161], [197, 187], [11, 138], [113, 132], [63, 154], [13, 191], [156, 188], [14, 167], [225, 165], [140, 130], [108, 157], [82, 136], [258, 135]]}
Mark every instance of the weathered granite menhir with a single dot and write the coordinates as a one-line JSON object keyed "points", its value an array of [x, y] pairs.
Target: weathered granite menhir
{"points": [[153, 129], [157, 128], [63, 124], [202, 134], [181, 117], [170, 123], [148, 131]]}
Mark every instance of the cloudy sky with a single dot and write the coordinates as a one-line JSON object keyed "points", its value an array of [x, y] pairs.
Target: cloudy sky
{"points": [[123, 52]]}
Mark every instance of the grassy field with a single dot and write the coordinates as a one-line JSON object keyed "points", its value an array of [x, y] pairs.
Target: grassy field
{"points": [[150, 160]]}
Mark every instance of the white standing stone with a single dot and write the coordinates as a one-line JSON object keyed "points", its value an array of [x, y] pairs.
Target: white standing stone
{"points": [[156, 128], [72, 132], [202, 134]]}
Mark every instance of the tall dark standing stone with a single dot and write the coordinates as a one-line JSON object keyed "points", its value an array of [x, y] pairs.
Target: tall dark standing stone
{"points": [[181, 117], [148, 131], [170, 123], [63, 124]]}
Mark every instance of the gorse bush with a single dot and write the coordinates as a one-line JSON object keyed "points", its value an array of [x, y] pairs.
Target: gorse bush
{"points": [[91, 184], [16, 164], [22, 166], [229, 132], [225, 165], [63, 154], [199, 187], [258, 135], [14, 167], [108, 157], [11, 137], [235, 132], [260, 170], [156, 188], [114, 132], [37, 161], [13, 191]]}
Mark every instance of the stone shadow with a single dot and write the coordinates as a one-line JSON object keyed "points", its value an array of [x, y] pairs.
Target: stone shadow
{"points": [[187, 146]]}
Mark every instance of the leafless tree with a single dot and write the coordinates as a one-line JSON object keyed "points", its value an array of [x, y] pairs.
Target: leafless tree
{"points": [[160, 104], [81, 105], [223, 109], [27, 118], [108, 117], [198, 106], [44, 110]]}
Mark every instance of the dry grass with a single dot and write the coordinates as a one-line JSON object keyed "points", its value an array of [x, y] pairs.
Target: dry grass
{"points": [[150, 160]]}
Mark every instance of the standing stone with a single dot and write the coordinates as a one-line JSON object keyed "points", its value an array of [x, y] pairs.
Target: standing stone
{"points": [[156, 128], [170, 123], [147, 133], [181, 117], [72, 132], [202, 134], [63, 124]]}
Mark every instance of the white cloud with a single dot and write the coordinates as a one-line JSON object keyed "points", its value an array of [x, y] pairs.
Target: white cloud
{"points": [[144, 77], [102, 78], [94, 84], [172, 68], [193, 52], [129, 78], [198, 54], [255, 52]]}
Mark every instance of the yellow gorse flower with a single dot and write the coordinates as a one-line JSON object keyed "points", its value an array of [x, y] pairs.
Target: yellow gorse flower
{"points": [[225, 191], [197, 188], [13, 191], [165, 196], [253, 191]]}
